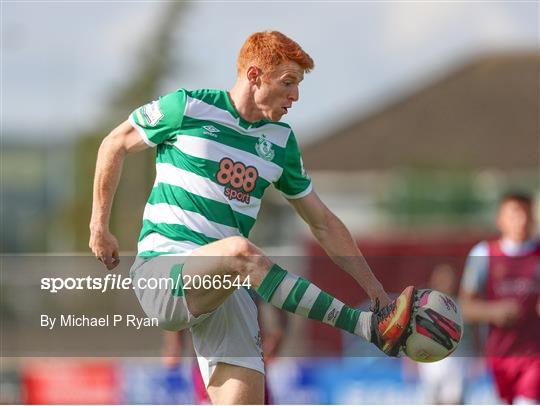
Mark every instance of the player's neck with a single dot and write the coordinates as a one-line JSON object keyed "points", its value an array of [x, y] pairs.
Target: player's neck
{"points": [[517, 238], [242, 100]]}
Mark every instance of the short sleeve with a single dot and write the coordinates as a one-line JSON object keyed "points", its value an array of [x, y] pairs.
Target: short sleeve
{"points": [[161, 119], [294, 182], [476, 269]]}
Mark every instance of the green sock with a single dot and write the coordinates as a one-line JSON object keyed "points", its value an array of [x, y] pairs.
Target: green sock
{"points": [[299, 296]]}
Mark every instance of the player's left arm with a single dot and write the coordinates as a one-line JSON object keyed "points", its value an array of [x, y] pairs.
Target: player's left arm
{"points": [[338, 243]]}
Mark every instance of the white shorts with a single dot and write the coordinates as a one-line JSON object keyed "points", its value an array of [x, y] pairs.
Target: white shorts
{"points": [[229, 334]]}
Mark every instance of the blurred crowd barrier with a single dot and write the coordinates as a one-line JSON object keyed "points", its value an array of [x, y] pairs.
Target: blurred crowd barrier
{"points": [[290, 381]]}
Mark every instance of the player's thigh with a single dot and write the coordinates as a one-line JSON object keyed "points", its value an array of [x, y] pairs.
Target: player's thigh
{"points": [[205, 273], [232, 384], [230, 335], [221, 257], [213, 272]]}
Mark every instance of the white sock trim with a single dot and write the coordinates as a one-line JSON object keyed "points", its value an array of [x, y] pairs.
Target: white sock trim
{"points": [[363, 327]]}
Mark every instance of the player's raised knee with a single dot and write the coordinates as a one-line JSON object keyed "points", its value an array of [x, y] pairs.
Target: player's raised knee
{"points": [[242, 247], [250, 261]]}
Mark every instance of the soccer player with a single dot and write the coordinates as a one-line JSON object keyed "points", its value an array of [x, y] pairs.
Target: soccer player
{"points": [[217, 151], [500, 286]]}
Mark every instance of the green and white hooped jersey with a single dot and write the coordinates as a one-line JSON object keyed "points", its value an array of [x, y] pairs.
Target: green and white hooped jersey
{"points": [[212, 168]]}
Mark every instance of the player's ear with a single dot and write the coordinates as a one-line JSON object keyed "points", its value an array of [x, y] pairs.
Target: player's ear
{"points": [[253, 74]]}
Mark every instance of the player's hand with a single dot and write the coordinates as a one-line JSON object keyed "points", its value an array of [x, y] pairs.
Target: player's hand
{"points": [[104, 245], [505, 312]]}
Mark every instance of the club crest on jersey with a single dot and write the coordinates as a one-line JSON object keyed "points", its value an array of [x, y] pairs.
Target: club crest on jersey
{"points": [[264, 148], [152, 113]]}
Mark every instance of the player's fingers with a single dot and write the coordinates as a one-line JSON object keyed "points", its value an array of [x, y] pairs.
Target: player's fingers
{"points": [[116, 255], [115, 258], [105, 258], [109, 257], [100, 256], [110, 262]]}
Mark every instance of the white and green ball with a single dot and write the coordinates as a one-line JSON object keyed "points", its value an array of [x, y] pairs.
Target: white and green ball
{"points": [[436, 327]]}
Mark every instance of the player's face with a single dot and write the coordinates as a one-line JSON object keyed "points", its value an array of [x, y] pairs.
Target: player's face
{"points": [[515, 220], [278, 90]]}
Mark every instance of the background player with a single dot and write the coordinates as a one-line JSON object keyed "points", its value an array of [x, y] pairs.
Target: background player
{"points": [[500, 286], [217, 151]]}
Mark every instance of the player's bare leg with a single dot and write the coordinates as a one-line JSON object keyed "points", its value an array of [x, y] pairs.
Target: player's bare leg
{"points": [[231, 257], [235, 385], [236, 256]]}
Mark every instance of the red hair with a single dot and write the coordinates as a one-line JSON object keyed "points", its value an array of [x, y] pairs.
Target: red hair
{"points": [[268, 49]]}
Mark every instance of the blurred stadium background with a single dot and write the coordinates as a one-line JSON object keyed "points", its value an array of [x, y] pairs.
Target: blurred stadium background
{"points": [[421, 116]]}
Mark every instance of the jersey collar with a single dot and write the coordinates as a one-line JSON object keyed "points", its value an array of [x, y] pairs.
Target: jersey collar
{"points": [[512, 248]]}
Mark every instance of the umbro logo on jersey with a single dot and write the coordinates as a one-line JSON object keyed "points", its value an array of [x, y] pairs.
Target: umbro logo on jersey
{"points": [[210, 130]]}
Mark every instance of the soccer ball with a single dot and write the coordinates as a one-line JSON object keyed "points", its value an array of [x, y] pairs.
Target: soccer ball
{"points": [[435, 329]]}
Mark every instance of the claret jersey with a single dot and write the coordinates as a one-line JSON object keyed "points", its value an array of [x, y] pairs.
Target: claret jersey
{"points": [[212, 168], [501, 269]]}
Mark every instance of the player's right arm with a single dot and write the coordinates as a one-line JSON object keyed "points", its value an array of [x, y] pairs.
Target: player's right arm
{"points": [[148, 126], [121, 141], [474, 307], [501, 313]]}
